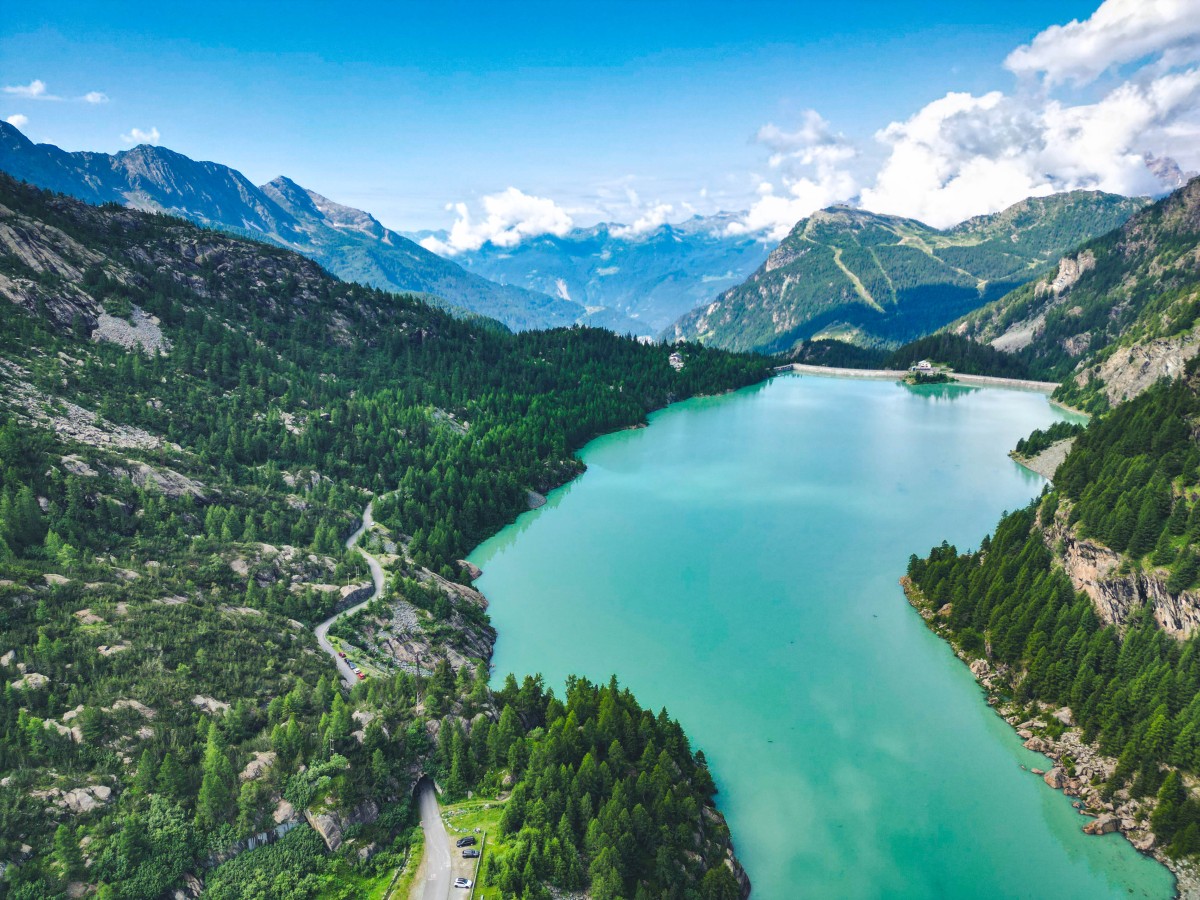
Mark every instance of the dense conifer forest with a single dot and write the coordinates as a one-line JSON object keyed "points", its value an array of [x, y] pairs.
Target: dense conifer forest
{"points": [[190, 426]]}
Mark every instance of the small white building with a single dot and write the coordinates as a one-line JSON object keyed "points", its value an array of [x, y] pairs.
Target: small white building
{"points": [[924, 367]]}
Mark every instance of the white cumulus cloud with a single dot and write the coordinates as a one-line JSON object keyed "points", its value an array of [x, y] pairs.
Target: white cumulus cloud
{"points": [[1117, 33], [1059, 129], [651, 218], [137, 136], [964, 155], [18, 120], [809, 173], [35, 90], [508, 218]]}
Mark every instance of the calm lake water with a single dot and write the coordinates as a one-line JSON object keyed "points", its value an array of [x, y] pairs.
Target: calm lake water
{"points": [[737, 562]]}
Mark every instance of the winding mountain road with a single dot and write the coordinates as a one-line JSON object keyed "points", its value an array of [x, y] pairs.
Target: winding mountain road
{"points": [[322, 630], [437, 844], [437, 861]]}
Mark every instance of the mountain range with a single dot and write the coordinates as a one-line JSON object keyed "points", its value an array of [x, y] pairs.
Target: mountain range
{"points": [[348, 242], [1116, 314], [607, 275], [882, 280], [648, 277]]}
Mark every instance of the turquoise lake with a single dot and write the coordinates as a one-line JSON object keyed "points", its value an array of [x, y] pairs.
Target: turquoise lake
{"points": [[737, 563]]}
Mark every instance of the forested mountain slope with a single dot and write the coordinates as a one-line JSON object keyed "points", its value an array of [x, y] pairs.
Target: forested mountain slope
{"points": [[1088, 600], [190, 424], [348, 242], [1116, 314], [875, 279]]}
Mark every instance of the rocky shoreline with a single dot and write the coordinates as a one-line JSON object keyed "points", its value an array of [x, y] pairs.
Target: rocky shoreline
{"points": [[1076, 767], [1047, 462]]}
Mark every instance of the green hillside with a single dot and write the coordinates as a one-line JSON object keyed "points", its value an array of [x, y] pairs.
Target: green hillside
{"points": [[1117, 313], [190, 426], [882, 280]]}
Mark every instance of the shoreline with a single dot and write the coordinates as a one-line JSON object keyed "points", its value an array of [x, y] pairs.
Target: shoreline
{"points": [[1043, 387], [536, 500], [1046, 462], [1068, 753]]}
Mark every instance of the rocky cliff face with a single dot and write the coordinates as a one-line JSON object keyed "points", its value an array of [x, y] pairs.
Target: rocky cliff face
{"points": [[1070, 270], [1095, 570], [1048, 293], [1117, 314], [1128, 372]]}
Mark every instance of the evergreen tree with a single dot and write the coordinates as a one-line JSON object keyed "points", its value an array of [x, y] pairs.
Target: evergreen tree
{"points": [[67, 854], [218, 782], [147, 770]]}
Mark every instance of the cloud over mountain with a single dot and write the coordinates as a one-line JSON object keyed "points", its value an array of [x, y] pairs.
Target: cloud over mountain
{"points": [[1108, 103], [508, 218], [963, 155], [810, 163], [138, 136]]}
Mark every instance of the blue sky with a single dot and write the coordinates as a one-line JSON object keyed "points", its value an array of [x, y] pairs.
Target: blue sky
{"points": [[403, 108]]}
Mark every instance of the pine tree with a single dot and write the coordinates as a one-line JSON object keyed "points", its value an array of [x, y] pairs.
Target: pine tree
{"points": [[1177, 522], [381, 769], [172, 780], [719, 884], [67, 854], [1164, 551], [1185, 572], [143, 781], [216, 798]]}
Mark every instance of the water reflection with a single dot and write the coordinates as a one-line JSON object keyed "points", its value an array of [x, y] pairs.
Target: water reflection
{"points": [[940, 392]]}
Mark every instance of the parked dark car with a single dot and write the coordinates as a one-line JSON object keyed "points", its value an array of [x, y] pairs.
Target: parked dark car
{"points": [[465, 842], [470, 854]]}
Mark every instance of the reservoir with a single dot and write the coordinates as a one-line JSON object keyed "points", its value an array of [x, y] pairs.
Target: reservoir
{"points": [[737, 563]]}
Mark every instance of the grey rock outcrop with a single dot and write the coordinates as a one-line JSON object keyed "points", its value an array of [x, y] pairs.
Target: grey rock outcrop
{"points": [[1094, 569], [331, 825], [1128, 372], [140, 331]]}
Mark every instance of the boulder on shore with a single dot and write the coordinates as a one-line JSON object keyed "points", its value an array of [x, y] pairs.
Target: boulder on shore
{"points": [[1106, 824], [1064, 715], [1056, 778]]}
